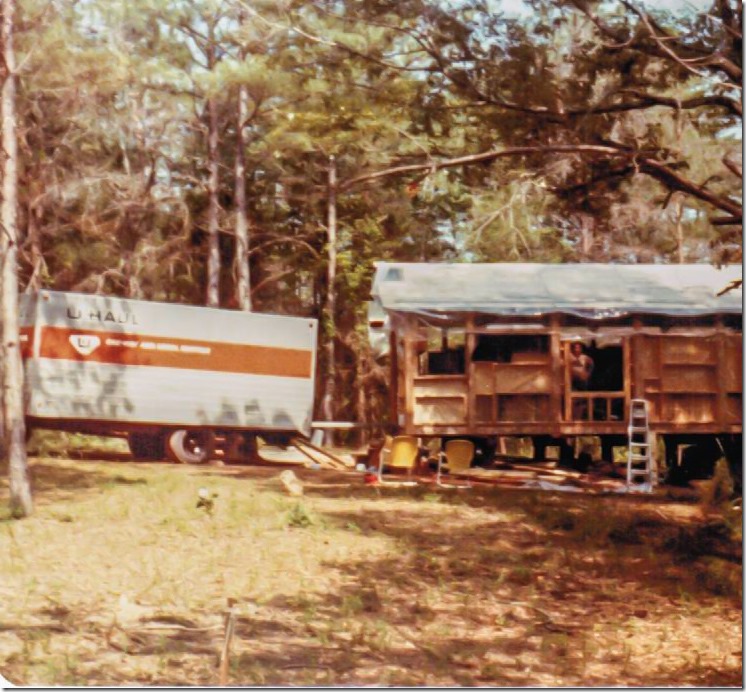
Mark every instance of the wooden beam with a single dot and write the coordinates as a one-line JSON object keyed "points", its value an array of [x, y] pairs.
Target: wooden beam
{"points": [[568, 381], [327, 458], [471, 343], [410, 372], [721, 407], [639, 344], [627, 345], [394, 374], [555, 351]]}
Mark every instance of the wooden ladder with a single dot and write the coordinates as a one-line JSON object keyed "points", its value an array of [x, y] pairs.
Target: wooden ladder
{"points": [[641, 475]]}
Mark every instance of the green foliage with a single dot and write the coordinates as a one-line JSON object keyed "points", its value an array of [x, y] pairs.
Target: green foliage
{"points": [[51, 443], [112, 105], [299, 517]]}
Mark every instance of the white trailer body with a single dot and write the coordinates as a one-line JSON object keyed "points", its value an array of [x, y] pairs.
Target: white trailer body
{"points": [[114, 364]]}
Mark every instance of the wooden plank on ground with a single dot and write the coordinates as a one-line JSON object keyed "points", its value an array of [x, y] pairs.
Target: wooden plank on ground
{"points": [[559, 473], [329, 459], [320, 461]]}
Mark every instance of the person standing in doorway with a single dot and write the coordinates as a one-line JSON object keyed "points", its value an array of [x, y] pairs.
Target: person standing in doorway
{"points": [[581, 367]]}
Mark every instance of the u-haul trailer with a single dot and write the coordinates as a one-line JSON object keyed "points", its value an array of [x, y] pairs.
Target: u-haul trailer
{"points": [[170, 377]]}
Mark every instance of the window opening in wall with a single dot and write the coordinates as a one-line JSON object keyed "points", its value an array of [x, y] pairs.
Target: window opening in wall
{"points": [[513, 348], [444, 354], [733, 322]]}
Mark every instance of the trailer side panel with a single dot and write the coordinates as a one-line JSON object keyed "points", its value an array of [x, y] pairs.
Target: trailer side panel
{"points": [[133, 362]]}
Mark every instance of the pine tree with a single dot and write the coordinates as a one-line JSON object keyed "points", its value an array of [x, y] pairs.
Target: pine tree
{"points": [[21, 504]]}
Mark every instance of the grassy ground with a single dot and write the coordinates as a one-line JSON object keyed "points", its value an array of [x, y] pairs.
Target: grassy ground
{"points": [[118, 579]]}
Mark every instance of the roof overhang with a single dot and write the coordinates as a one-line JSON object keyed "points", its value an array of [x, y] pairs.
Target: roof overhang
{"points": [[591, 291]]}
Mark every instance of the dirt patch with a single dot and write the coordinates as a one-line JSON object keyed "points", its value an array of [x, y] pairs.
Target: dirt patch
{"points": [[120, 579]]}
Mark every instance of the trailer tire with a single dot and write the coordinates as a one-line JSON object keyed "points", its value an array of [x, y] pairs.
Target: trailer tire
{"points": [[146, 446], [191, 446]]}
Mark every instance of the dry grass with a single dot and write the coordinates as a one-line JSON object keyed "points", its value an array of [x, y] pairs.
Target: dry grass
{"points": [[119, 579]]}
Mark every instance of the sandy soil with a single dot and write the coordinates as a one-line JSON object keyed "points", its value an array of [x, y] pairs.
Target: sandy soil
{"points": [[119, 579]]}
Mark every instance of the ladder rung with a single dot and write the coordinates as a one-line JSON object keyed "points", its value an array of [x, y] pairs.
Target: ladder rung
{"points": [[639, 454]]}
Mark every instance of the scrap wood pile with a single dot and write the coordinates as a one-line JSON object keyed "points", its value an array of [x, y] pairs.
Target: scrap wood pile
{"points": [[320, 457], [300, 452], [544, 475], [505, 471]]}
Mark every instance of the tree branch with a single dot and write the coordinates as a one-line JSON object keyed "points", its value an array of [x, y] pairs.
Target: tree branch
{"points": [[733, 167], [662, 172], [271, 279], [292, 28], [484, 157], [726, 221], [289, 239], [644, 100], [673, 180]]}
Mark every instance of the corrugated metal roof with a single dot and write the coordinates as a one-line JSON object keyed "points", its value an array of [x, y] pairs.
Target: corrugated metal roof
{"points": [[588, 290]]}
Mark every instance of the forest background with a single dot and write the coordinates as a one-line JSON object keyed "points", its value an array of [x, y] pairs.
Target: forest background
{"points": [[262, 155]]}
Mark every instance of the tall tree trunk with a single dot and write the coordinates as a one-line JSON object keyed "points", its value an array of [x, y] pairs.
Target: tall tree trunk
{"points": [[243, 280], [213, 210], [680, 232], [331, 295], [37, 259], [21, 504], [213, 187], [587, 239]]}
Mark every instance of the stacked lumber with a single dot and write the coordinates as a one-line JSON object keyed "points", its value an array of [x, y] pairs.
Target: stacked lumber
{"points": [[544, 475], [324, 458]]}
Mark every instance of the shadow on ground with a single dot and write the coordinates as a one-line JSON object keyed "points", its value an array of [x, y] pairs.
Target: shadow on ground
{"points": [[53, 481], [496, 587], [480, 587]]}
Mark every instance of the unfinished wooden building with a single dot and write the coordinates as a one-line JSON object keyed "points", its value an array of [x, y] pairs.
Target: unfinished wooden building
{"points": [[486, 350]]}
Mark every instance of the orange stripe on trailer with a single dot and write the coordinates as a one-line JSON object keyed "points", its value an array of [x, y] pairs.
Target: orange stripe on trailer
{"points": [[117, 348]]}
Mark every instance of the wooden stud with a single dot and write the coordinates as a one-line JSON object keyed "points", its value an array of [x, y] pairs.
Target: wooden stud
{"points": [[410, 371], [721, 406], [627, 353], [555, 352], [394, 374], [568, 383], [470, 345]]}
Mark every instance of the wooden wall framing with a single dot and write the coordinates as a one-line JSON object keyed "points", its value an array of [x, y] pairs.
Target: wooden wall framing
{"points": [[691, 377]]}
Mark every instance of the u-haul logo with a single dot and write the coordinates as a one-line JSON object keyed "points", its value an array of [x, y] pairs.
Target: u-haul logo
{"points": [[84, 344]]}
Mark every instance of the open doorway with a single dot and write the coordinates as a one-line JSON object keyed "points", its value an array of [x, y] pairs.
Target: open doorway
{"points": [[595, 375]]}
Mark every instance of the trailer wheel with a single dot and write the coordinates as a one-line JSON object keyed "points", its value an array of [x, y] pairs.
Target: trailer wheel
{"points": [[146, 446], [191, 446]]}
